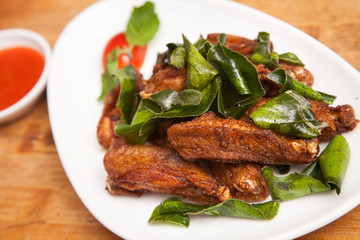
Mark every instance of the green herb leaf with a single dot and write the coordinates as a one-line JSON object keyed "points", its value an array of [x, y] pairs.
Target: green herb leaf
{"points": [[112, 60], [131, 133], [263, 46], [292, 186], [169, 98], [199, 72], [175, 211], [251, 77], [243, 87], [334, 161], [314, 171], [174, 218], [290, 114], [222, 38], [142, 26], [108, 80], [225, 61], [127, 77], [273, 61], [176, 55], [146, 109], [203, 46], [219, 99], [149, 113], [208, 96], [262, 52], [291, 58], [281, 77], [326, 173]]}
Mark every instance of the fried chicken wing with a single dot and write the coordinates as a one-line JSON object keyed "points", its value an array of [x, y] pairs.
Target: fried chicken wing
{"points": [[234, 141], [135, 169], [244, 180], [340, 119], [165, 78], [238, 44]]}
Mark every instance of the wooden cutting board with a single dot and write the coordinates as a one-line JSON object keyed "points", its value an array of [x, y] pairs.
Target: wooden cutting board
{"points": [[36, 198]]}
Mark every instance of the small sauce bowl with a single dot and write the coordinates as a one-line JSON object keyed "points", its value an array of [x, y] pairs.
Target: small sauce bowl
{"points": [[10, 38]]}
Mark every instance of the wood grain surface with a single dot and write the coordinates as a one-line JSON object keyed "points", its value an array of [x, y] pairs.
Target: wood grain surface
{"points": [[37, 200]]}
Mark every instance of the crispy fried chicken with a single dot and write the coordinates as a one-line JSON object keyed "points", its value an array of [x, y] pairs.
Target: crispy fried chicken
{"points": [[135, 169], [236, 149], [238, 44], [234, 141], [165, 78], [244, 180]]}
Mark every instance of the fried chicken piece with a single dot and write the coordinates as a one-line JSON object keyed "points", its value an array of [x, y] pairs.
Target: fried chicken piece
{"points": [[244, 180], [136, 169], [160, 66], [340, 119], [167, 78], [235, 141], [238, 44]]}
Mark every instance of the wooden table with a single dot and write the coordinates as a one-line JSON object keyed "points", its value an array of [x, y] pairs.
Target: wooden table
{"points": [[36, 198]]}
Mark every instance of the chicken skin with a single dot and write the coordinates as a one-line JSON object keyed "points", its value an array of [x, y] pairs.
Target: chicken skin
{"points": [[238, 44], [235, 141], [244, 180], [135, 169], [165, 78]]}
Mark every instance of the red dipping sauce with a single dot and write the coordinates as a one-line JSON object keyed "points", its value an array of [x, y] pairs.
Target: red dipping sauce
{"points": [[20, 69]]}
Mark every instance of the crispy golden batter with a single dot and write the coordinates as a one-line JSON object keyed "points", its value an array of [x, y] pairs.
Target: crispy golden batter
{"points": [[165, 78], [234, 141], [244, 180], [135, 169], [340, 119]]}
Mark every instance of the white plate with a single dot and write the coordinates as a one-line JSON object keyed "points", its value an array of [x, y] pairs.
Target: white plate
{"points": [[74, 86]]}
